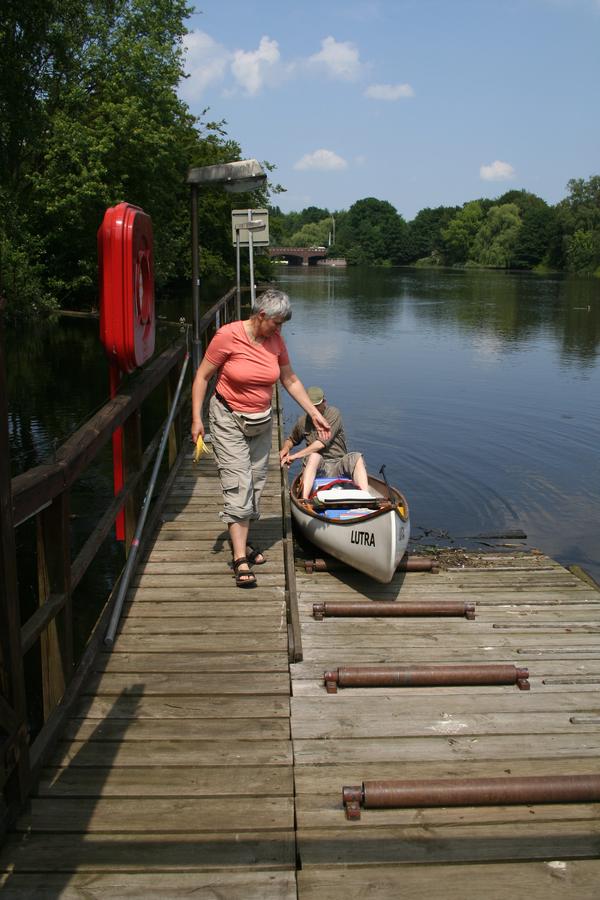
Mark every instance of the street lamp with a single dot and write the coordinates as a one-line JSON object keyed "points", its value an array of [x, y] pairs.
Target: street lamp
{"points": [[250, 226], [234, 177]]}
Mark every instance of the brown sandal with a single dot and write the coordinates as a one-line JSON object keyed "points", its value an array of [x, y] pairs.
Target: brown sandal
{"points": [[243, 579], [253, 555]]}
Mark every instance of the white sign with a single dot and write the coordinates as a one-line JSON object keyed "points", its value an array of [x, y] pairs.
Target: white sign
{"points": [[241, 217]]}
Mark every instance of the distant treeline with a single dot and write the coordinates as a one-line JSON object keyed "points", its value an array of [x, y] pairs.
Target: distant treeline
{"points": [[90, 115], [518, 230]]}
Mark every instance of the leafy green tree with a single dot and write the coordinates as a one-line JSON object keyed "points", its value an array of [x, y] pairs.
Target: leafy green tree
{"points": [[313, 234], [582, 252], [425, 230], [372, 233], [460, 233], [497, 237], [538, 228], [91, 118], [578, 215]]}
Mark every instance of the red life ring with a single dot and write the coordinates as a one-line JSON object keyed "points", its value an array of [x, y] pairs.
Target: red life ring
{"points": [[126, 274]]}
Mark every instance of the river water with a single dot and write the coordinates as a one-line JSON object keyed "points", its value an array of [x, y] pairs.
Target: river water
{"points": [[478, 391]]}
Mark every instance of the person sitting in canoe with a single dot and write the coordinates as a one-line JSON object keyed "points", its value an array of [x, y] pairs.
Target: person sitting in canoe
{"points": [[330, 459]]}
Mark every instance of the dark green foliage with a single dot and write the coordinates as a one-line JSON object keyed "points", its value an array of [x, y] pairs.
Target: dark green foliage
{"points": [[460, 233], [372, 233], [579, 220], [89, 116], [425, 230]]}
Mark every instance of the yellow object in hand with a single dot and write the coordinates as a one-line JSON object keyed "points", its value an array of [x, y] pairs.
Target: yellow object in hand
{"points": [[201, 447]]}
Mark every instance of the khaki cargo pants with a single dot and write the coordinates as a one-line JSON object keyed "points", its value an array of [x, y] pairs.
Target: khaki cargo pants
{"points": [[242, 462]]}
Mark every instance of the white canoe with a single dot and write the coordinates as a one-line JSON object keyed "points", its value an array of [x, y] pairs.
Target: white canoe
{"points": [[367, 530]]}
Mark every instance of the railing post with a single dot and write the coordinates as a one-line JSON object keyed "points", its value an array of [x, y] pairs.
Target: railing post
{"points": [[54, 577], [14, 749], [132, 460]]}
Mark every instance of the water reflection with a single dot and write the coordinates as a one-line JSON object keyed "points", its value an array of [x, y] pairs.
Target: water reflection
{"points": [[479, 390]]}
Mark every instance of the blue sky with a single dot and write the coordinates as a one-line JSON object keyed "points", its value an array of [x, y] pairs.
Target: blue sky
{"points": [[418, 102]]}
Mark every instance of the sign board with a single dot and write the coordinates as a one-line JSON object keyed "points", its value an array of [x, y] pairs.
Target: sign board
{"points": [[239, 217]]}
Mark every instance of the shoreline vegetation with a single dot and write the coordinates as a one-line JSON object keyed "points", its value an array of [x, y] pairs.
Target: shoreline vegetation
{"points": [[515, 231], [91, 116]]}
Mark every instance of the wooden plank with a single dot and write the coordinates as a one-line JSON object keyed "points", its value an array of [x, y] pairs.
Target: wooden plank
{"points": [[205, 581], [209, 608], [181, 707], [192, 663], [339, 725], [148, 625], [241, 729], [127, 852], [174, 752], [217, 643], [319, 813], [175, 683], [554, 880], [189, 814], [229, 594], [233, 885], [388, 704], [167, 781], [312, 752]]}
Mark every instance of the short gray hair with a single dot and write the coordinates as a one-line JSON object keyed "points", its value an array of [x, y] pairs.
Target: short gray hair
{"points": [[274, 304]]}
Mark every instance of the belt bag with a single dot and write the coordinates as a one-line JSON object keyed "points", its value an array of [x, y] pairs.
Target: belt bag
{"points": [[253, 427]]}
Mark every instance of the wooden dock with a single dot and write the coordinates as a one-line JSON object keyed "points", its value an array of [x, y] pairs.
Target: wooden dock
{"points": [[174, 777], [194, 764], [530, 612]]}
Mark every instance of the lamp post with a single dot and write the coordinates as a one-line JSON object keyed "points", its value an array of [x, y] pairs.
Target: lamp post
{"points": [[250, 226], [234, 177]]}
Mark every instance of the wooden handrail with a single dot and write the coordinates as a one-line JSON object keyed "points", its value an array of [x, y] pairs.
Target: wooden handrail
{"points": [[37, 487], [43, 492]]}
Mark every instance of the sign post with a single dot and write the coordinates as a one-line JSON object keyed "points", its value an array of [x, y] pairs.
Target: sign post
{"points": [[249, 228]]}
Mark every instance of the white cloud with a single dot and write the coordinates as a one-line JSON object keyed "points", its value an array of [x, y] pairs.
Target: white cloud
{"points": [[322, 160], [206, 62], [389, 91], [339, 58], [250, 68], [497, 171]]}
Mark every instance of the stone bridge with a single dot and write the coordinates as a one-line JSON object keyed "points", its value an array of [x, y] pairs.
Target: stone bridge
{"points": [[305, 256]]}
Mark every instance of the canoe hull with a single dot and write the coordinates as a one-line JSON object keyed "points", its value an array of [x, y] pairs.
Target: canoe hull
{"points": [[373, 545]]}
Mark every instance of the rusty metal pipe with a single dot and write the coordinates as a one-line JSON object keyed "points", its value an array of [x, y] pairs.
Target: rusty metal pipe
{"points": [[406, 564], [395, 608], [471, 792], [425, 676]]}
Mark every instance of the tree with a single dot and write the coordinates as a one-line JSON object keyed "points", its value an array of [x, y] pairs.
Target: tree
{"points": [[579, 220], [92, 118], [372, 233], [425, 230], [496, 239], [538, 228], [460, 233], [582, 252], [313, 234]]}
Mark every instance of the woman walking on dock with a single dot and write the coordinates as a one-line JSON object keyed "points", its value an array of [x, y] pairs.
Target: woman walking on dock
{"points": [[249, 357]]}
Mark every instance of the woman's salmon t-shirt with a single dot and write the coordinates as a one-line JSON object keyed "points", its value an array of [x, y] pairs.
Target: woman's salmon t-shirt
{"points": [[247, 371]]}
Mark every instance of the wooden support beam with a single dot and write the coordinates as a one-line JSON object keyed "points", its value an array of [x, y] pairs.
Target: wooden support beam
{"points": [[15, 765], [54, 578]]}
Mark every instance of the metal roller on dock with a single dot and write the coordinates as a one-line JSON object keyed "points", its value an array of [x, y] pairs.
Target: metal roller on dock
{"points": [[470, 792], [424, 675], [394, 609]]}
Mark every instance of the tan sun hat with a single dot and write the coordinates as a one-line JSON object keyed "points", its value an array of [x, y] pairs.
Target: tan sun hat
{"points": [[316, 395]]}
